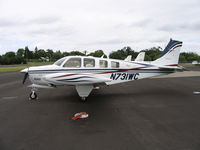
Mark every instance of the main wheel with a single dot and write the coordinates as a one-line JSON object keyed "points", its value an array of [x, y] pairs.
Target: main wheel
{"points": [[33, 95], [83, 99]]}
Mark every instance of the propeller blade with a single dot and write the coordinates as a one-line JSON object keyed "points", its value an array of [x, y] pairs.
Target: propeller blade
{"points": [[25, 77]]}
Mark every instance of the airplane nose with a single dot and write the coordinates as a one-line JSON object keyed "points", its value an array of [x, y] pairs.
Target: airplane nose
{"points": [[24, 70]]}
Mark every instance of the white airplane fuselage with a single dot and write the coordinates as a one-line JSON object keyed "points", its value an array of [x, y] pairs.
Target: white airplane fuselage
{"points": [[60, 75]]}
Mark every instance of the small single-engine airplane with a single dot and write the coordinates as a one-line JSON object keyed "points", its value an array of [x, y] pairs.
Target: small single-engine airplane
{"points": [[87, 73]]}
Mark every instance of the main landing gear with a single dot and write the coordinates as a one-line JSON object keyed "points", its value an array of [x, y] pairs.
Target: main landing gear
{"points": [[84, 91], [83, 99], [33, 95]]}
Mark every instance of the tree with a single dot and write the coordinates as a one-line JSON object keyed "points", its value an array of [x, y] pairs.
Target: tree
{"points": [[0, 59], [147, 58], [190, 56], [97, 53], [123, 53], [10, 55], [65, 54], [182, 58], [49, 54], [26, 53], [36, 55], [11, 58], [152, 53], [74, 53], [20, 52], [41, 53], [57, 55]]}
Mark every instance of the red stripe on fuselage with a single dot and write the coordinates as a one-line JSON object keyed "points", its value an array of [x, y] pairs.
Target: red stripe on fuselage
{"points": [[123, 70], [66, 75], [172, 65]]}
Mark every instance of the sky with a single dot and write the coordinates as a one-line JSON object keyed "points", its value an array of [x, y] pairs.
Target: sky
{"points": [[91, 25]]}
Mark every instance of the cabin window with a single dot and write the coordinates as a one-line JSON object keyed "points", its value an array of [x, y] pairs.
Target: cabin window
{"points": [[103, 63], [73, 63], [89, 62], [114, 64]]}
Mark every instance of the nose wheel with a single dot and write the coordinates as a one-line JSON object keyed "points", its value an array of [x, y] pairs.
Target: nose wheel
{"points": [[33, 95]]}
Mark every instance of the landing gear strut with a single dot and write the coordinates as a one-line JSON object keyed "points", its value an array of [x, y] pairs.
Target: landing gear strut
{"points": [[84, 91]]}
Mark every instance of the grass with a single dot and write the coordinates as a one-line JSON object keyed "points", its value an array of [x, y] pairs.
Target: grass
{"points": [[188, 65], [18, 67], [7, 69]]}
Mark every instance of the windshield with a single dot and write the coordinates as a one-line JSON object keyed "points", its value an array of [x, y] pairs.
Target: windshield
{"points": [[59, 61]]}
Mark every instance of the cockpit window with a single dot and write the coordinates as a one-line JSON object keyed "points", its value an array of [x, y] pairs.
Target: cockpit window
{"points": [[88, 62], [73, 63], [59, 61]]}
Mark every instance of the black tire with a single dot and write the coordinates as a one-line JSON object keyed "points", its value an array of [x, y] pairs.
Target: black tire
{"points": [[33, 96], [83, 99]]}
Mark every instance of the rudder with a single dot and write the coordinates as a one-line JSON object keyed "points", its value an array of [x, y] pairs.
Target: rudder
{"points": [[170, 55]]}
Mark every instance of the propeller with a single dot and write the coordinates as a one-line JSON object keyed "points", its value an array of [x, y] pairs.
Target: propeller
{"points": [[26, 70], [25, 77]]}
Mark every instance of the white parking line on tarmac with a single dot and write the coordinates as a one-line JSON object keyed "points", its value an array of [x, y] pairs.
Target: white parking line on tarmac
{"points": [[8, 98]]}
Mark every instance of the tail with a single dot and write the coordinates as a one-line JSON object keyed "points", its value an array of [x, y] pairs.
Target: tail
{"points": [[170, 55]]}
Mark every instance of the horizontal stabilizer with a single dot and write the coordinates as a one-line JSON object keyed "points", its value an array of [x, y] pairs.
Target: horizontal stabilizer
{"points": [[171, 67], [181, 74]]}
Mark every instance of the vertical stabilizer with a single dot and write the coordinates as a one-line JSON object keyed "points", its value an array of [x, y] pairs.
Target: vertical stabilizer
{"points": [[170, 55]]}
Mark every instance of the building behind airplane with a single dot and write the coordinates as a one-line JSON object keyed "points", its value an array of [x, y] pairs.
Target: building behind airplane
{"points": [[86, 72]]}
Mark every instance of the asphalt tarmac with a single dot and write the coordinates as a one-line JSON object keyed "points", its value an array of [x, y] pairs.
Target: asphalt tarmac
{"points": [[149, 114]]}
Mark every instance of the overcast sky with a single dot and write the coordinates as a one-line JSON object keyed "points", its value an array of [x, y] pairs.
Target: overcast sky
{"points": [[90, 25]]}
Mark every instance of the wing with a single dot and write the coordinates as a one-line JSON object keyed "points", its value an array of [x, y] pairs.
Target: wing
{"points": [[171, 67]]}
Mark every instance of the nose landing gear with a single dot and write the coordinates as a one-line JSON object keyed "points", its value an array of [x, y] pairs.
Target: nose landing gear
{"points": [[33, 95]]}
